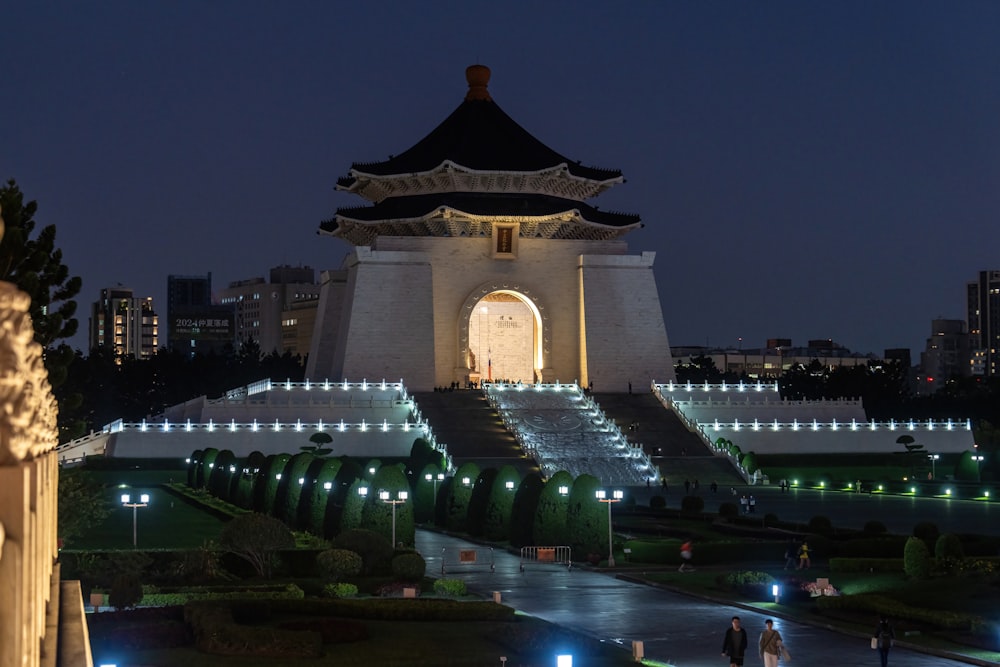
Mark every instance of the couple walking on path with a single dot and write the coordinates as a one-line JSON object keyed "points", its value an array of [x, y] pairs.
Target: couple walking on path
{"points": [[769, 646]]}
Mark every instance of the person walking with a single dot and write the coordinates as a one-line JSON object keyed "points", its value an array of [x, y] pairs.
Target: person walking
{"points": [[734, 644], [804, 561], [687, 553], [769, 644], [791, 555], [885, 637]]}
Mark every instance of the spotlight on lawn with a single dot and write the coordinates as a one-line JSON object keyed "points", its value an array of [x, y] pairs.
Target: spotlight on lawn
{"points": [[775, 590], [880, 487], [913, 489], [947, 492]]}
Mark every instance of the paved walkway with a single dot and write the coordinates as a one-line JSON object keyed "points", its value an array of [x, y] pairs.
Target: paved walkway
{"points": [[682, 630]]}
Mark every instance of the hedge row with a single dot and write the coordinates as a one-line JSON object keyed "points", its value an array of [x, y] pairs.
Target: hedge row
{"points": [[882, 605], [216, 632]]}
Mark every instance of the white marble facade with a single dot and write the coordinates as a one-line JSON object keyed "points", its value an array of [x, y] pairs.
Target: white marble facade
{"points": [[410, 307]]}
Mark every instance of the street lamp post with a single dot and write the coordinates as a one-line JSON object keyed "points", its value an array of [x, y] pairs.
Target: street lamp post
{"points": [[400, 498], [616, 496], [435, 478], [933, 458], [143, 502], [978, 458]]}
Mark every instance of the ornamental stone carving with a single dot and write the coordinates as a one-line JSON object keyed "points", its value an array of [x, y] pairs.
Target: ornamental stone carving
{"points": [[28, 410]]}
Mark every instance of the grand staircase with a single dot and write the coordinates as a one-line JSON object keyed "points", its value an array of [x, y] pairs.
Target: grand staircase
{"points": [[676, 451], [472, 430]]}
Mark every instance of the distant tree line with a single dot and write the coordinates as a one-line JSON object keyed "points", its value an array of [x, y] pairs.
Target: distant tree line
{"points": [[883, 386], [108, 388]]}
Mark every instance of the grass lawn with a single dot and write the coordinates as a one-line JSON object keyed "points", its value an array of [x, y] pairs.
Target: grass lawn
{"points": [[167, 523]]}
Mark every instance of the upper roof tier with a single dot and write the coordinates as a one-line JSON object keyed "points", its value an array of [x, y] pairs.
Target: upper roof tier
{"points": [[477, 141]]}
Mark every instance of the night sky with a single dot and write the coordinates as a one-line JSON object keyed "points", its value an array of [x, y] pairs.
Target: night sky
{"points": [[804, 170]]}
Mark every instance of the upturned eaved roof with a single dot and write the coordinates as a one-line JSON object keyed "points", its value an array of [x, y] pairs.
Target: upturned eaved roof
{"points": [[478, 204], [473, 214], [478, 135]]}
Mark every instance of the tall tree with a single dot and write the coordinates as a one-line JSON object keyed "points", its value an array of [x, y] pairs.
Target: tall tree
{"points": [[34, 264]]}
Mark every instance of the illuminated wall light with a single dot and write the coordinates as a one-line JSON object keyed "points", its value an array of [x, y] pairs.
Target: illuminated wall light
{"points": [[912, 425], [833, 426], [232, 426], [188, 426], [364, 384], [277, 476], [277, 426], [298, 425], [345, 384], [254, 426], [364, 426], [873, 426], [327, 486], [342, 426], [385, 425], [288, 385], [319, 426], [815, 425], [383, 384], [326, 385], [302, 481], [211, 426], [166, 426], [142, 426]]}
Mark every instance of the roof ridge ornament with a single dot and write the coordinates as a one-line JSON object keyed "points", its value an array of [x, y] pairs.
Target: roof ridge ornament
{"points": [[478, 76]]}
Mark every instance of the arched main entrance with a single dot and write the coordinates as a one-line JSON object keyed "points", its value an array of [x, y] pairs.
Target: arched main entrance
{"points": [[503, 336]]}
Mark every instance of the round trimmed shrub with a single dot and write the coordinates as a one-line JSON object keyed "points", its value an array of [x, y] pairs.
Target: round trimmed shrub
{"points": [[874, 528], [729, 510], [916, 559], [692, 504], [409, 567], [375, 550], [335, 564], [126, 591], [949, 546]]}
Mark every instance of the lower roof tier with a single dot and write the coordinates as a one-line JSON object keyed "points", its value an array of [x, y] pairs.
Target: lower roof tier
{"points": [[473, 214]]}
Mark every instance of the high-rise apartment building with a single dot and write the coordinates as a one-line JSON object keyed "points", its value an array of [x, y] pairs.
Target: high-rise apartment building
{"points": [[124, 324], [194, 323], [984, 323], [945, 356], [259, 304]]}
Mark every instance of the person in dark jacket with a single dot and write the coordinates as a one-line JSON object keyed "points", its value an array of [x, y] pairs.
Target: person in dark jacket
{"points": [[885, 637], [734, 644]]}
